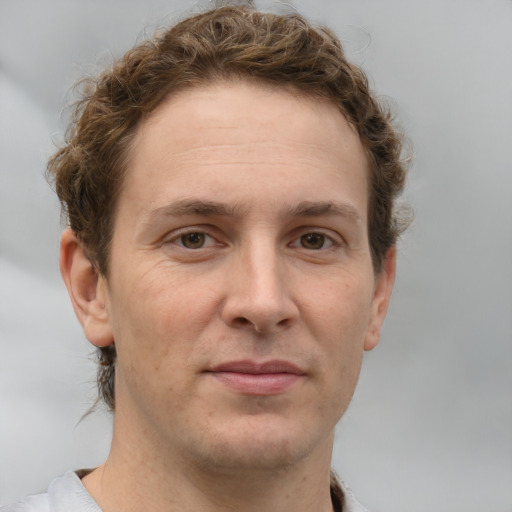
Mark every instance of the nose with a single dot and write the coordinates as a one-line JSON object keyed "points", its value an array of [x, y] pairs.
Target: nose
{"points": [[258, 294]]}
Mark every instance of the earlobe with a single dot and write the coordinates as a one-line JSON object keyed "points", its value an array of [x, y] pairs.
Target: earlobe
{"points": [[87, 290], [383, 287]]}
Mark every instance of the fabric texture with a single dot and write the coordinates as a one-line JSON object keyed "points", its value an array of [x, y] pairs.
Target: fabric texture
{"points": [[67, 494]]}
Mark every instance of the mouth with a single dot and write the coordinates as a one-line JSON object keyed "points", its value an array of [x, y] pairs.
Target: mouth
{"points": [[251, 378]]}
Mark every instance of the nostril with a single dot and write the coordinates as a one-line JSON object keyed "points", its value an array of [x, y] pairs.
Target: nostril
{"points": [[259, 327], [242, 321]]}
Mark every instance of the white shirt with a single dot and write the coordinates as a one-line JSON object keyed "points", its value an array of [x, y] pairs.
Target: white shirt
{"points": [[67, 494]]}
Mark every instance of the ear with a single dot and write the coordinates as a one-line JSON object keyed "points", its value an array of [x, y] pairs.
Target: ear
{"points": [[383, 286], [87, 290]]}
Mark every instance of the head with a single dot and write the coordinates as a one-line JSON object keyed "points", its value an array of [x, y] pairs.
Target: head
{"points": [[226, 45]]}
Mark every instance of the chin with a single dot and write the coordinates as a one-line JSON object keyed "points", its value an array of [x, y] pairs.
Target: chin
{"points": [[259, 446]]}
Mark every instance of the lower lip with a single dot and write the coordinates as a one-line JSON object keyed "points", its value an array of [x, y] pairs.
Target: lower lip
{"points": [[257, 384]]}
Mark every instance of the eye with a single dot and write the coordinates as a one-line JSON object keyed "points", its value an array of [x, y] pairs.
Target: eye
{"points": [[313, 241], [194, 240]]}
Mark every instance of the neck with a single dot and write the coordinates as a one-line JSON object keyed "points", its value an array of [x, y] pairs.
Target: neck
{"points": [[136, 477]]}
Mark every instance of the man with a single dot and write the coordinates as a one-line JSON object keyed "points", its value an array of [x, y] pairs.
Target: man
{"points": [[229, 187]]}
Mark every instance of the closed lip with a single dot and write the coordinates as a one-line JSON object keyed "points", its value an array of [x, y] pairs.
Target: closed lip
{"points": [[254, 378], [257, 368]]}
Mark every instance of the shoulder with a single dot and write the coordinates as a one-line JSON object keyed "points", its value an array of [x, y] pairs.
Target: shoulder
{"points": [[36, 503], [343, 498], [65, 494], [350, 504]]}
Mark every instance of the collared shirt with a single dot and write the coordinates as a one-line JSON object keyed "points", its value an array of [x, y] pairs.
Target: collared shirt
{"points": [[67, 494]]}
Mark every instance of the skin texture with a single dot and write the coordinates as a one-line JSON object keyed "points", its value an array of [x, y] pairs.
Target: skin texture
{"points": [[240, 235]]}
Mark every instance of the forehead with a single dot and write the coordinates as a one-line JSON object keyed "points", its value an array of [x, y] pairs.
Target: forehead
{"points": [[227, 139], [252, 108]]}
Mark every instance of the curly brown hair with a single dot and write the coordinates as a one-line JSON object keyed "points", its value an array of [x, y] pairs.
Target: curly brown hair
{"points": [[230, 42]]}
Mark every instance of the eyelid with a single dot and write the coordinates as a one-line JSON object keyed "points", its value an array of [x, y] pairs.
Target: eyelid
{"points": [[335, 238], [174, 237]]}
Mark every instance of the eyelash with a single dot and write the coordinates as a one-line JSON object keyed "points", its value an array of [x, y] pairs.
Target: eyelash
{"points": [[177, 238], [326, 239]]}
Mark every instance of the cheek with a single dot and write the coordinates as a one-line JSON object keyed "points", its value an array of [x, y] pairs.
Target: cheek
{"points": [[340, 309], [338, 316], [160, 311], [154, 327]]}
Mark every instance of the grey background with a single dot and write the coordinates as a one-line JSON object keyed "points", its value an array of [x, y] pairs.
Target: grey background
{"points": [[430, 427]]}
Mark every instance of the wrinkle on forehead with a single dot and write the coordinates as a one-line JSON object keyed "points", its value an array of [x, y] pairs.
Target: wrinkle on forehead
{"points": [[194, 106], [263, 138], [212, 208]]}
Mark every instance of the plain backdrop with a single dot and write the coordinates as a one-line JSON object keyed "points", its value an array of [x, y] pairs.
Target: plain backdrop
{"points": [[430, 426]]}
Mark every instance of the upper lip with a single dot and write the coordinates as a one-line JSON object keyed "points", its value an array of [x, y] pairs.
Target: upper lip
{"points": [[255, 368]]}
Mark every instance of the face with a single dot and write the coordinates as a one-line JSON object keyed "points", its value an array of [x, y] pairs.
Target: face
{"points": [[241, 292]]}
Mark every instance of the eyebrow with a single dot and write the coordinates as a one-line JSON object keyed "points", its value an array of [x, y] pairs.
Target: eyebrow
{"points": [[319, 208], [185, 207]]}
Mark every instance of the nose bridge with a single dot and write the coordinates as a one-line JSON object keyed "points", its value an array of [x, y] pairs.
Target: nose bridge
{"points": [[258, 294], [264, 275]]}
